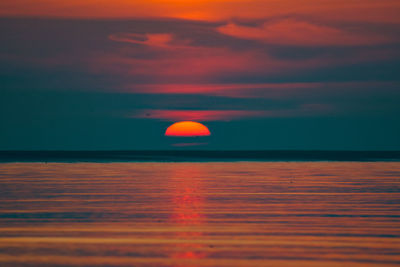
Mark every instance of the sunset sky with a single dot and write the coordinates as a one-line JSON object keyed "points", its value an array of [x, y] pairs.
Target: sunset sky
{"points": [[260, 74]]}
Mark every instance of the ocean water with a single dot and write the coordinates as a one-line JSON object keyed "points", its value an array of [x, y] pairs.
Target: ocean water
{"points": [[200, 214]]}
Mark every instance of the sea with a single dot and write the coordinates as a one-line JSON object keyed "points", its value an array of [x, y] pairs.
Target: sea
{"points": [[186, 212]]}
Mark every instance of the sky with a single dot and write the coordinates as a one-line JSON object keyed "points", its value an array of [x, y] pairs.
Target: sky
{"points": [[260, 74]]}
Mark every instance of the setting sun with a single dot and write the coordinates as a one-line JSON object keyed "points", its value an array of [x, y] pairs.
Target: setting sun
{"points": [[187, 129]]}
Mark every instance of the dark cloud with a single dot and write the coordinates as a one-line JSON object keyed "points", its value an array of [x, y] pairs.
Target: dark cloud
{"points": [[74, 83]]}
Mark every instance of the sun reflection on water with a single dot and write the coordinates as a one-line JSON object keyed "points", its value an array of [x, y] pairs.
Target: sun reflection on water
{"points": [[188, 201]]}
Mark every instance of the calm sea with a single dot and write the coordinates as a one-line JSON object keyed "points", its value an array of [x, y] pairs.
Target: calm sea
{"points": [[200, 214]]}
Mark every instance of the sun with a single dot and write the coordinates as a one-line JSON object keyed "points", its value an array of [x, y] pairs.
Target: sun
{"points": [[187, 129]]}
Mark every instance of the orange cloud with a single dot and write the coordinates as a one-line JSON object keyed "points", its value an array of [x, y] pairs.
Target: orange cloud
{"points": [[295, 32], [342, 10], [160, 40]]}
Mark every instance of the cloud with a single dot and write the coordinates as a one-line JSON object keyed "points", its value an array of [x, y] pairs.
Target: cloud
{"points": [[160, 40], [228, 115], [272, 91], [196, 115], [301, 33], [174, 55], [167, 59], [247, 90], [172, 63], [170, 52], [189, 65], [216, 10]]}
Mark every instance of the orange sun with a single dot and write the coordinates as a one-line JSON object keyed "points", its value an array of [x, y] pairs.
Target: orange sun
{"points": [[187, 129]]}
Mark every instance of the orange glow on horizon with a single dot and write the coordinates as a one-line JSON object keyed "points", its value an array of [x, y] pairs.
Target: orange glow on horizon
{"points": [[187, 129]]}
